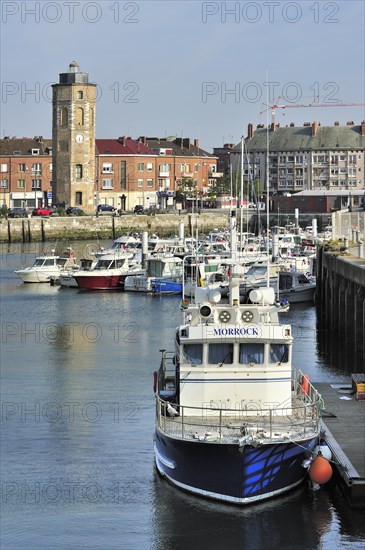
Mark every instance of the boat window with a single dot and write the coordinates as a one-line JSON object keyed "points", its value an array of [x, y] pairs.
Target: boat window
{"points": [[61, 261], [155, 269], [302, 280], [279, 353], [39, 262], [193, 353], [251, 353], [120, 263], [49, 262], [285, 281], [220, 353]]}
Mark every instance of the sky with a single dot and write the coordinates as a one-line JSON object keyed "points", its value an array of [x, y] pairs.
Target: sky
{"points": [[184, 68]]}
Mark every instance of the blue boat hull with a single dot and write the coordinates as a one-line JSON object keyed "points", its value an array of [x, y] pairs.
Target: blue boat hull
{"points": [[229, 473], [166, 287]]}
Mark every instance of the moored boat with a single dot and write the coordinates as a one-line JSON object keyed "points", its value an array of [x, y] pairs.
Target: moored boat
{"points": [[109, 273], [234, 421], [47, 267]]}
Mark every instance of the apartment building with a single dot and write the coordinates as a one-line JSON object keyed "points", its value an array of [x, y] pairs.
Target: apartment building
{"points": [[147, 171], [26, 172], [308, 157]]}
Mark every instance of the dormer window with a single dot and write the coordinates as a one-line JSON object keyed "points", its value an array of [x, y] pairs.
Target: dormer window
{"points": [[35, 152]]}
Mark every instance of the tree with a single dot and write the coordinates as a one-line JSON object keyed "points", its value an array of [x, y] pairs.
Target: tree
{"points": [[187, 189]]}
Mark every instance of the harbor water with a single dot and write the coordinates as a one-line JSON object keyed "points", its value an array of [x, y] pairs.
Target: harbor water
{"points": [[77, 463]]}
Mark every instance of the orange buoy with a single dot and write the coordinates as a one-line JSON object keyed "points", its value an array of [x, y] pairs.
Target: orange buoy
{"points": [[320, 471], [305, 384]]}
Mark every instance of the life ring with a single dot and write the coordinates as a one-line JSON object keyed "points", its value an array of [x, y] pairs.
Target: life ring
{"points": [[154, 381]]}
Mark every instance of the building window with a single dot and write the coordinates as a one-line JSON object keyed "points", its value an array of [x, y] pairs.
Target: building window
{"points": [[4, 168], [4, 184], [22, 167], [123, 174], [150, 183], [36, 184], [78, 171], [164, 168], [149, 166], [108, 183], [64, 116], [36, 169], [21, 184], [140, 183], [196, 167], [80, 116], [78, 198], [299, 183], [80, 95], [107, 167], [140, 166]]}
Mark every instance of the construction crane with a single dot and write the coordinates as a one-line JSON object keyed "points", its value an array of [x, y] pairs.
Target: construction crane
{"points": [[300, 106]]}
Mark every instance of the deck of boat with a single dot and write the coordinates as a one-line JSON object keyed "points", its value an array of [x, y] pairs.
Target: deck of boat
{"points": [[246, 427]]}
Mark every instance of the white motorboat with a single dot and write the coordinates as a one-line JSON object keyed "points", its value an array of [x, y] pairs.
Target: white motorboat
{"points": [[47, 267]]}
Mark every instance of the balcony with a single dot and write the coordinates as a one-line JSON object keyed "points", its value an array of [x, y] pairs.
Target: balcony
{"points": [[215, 174], [164, 174]]}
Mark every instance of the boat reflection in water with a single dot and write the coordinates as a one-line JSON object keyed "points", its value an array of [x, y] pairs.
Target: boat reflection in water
{"points": [[234, 422], [298, 521]]}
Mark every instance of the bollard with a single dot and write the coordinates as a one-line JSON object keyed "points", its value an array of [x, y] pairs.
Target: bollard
{"points": [[346, 243]]}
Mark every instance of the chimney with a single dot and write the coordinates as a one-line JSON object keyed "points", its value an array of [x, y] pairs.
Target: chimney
{"points": [[306, 123], [350, 123], [196, 143], [250, 131], [337, 123], [142, 139], [179, 142], [314, 128], [186, 143], [259, 126], [363, 128], [272, 127], [292, 125]]}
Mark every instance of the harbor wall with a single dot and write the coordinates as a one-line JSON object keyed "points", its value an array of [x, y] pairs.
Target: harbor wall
{"points": [[106, 227], [340, 296]]}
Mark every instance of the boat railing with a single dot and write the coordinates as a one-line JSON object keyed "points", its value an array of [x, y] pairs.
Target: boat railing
{"points": [[252, 424]]}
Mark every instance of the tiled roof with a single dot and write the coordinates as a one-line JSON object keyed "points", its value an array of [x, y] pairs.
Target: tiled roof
{"points": [[24, 146], [177, 149], [122, 146], [300, 139]]}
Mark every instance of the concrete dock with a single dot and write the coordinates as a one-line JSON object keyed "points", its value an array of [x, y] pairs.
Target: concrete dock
{"points": [[343, 421]]}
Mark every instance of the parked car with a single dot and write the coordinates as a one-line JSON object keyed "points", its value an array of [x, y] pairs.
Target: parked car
{"points": [[17, 212], [42, 211], [74, 211], [106, 209], [138, 209]]}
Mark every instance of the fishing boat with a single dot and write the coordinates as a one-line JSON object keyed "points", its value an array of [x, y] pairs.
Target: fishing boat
{"points": [[234, 421], [47, 267]]}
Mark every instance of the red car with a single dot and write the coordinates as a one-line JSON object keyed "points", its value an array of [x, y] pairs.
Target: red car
{"points": [[42, 211]]}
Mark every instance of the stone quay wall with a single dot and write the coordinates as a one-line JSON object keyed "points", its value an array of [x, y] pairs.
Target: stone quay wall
{"points": [[106, 227], [340, 296]]}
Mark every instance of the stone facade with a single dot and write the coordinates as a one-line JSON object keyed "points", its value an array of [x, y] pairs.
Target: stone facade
{"points": [[73, 136]]}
